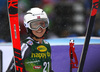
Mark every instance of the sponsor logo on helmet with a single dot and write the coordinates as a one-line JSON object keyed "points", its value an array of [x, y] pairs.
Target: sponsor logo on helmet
{"points": [[42, 48], [36, 67], [38, 17]]}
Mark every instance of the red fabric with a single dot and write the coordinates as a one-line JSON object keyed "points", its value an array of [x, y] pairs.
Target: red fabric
{"points": [[74, 61]]}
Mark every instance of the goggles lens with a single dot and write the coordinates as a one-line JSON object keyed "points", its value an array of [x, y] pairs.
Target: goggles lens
{"points": [[35, 25]]}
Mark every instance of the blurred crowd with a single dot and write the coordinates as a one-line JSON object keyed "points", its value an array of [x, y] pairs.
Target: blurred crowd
{"points": [[68, 18]]}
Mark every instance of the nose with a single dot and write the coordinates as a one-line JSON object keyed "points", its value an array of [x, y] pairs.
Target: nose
{"points": [[40, 28]]}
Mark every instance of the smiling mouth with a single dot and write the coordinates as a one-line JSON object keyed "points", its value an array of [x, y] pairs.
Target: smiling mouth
{"points": [[39, 31]]}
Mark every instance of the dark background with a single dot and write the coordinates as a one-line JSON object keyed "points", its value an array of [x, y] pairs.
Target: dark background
{"points": [[68, 18]]}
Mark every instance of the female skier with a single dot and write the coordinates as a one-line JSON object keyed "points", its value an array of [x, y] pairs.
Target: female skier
{"points": [[36, 52]]}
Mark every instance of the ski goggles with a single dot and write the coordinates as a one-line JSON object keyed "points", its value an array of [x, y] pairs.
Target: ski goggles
{"points": [[36, 24]]}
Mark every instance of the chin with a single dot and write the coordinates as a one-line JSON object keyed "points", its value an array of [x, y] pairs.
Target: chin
{"points": [[39, 35]]}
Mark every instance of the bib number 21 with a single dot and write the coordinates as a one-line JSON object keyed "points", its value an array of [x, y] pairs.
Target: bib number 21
{"points": [[46, 66]]}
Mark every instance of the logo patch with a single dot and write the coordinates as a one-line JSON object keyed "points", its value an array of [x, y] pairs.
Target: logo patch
{"points": [[42, 48], [38, 17], [36, 67], [30, 42]]}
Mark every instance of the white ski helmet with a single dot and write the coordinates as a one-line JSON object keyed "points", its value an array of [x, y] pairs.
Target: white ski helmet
{"points": [[34, 14]]}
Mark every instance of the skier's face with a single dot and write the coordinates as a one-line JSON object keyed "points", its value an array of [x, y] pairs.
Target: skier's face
{"points": [[40, 32]]}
